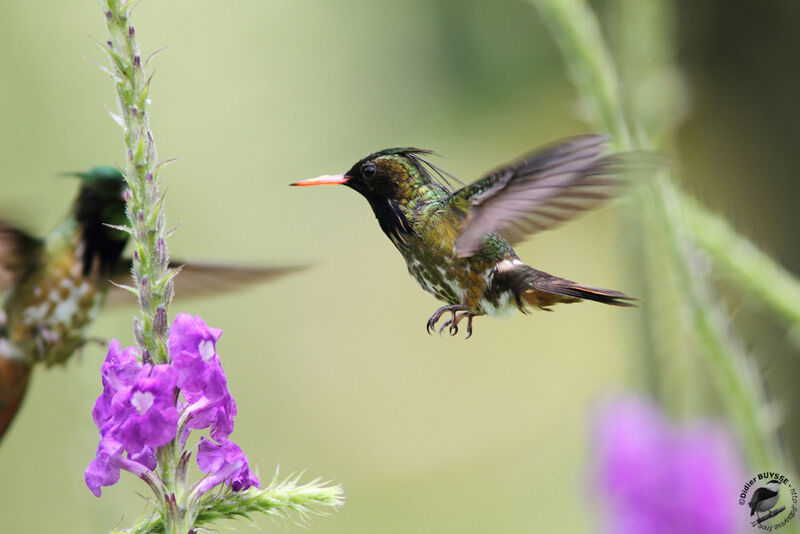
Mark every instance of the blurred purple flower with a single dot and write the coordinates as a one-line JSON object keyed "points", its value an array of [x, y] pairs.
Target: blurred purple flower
{"points": [[655, 478], [224, 462]]}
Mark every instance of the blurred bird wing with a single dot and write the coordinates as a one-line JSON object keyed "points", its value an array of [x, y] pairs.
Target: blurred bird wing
{"points": [[18, 254], [537, 192], [198, 278]]}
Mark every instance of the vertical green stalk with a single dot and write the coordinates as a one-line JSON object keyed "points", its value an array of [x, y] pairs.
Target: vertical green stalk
{"points": [[180, 509], [152, 277], [577, 31], [151, 273]]}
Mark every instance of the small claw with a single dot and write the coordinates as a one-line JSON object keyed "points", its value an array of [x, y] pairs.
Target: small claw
{"points": [[454, 329], [451, 322], [431, 326], [469, 326]]}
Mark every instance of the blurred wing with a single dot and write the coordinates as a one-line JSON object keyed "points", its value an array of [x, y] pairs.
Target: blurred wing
{"points": [[537, 192], [18, 254], [198, 279]]}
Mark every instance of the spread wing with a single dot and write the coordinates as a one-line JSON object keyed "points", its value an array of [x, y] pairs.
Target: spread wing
{"points": [[198, 279], [538, 191], [18, 254]]}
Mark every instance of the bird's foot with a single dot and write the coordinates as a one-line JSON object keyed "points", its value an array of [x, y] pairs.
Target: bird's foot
{"points": [[452, 323], [438, 313], [459, 313]]}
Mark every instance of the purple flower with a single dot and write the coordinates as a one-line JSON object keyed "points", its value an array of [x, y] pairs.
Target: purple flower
{"points": [[224, 462], [141, 405], [218, 416], [104, 469], [120, 369], [137, 403], [656, 478], [200, 376], [144, 414], [192, 346], [135, 413]]}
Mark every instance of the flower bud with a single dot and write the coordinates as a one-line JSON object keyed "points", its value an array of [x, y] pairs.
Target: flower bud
{"points": [[169, 292], [161, 253], [144, 293], [160, 322], [138, 333]]}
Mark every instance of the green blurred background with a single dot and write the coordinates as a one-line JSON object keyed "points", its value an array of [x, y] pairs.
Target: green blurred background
{"points": [[331, 368]]}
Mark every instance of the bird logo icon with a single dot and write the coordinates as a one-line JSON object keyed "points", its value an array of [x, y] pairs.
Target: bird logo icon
{"points": [[764, 498]]}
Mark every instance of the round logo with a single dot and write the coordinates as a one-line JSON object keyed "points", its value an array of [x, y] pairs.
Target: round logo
{"points": [[768, 500]]}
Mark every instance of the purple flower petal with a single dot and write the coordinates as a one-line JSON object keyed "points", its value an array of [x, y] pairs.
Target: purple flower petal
{"points": [[146, 457], [191, 335], [226, 459], [144, 413], [201, 377], [104, 469], [120, 369]]}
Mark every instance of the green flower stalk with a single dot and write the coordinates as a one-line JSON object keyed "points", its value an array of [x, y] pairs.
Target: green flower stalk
{"points": [[152, 276], [746, 264], [578, 34], [155, 396], [284, 499]]}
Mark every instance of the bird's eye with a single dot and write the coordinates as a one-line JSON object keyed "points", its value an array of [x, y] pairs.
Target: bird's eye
{"points": [[369, 170]]}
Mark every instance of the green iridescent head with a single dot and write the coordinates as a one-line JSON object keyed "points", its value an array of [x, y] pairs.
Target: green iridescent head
{"points": [[105, 180], [394, 173], [390, 174]]}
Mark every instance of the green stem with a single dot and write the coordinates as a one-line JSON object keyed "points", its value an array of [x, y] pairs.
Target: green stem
{"points": [[151, 273], [737, 382], [753, 269], [578, 33]]}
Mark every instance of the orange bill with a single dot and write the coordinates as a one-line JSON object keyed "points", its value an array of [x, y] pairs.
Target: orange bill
{"points": [[332, 179]]}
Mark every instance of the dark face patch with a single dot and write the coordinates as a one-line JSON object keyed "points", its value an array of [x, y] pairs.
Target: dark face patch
{"points": [[385, 181], [100, 203]]}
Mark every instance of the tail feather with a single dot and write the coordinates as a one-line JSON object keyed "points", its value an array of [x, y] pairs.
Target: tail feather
{"points": [[597, 294], [541, 289], [14, 377]]}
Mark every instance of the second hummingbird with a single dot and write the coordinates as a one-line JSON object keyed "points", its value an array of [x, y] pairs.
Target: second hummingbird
{"points": [[52, 288], [457, 244]]}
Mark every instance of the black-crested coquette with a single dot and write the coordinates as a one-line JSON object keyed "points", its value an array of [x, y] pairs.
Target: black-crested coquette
{"points": [[55, 286], [457, 243]]}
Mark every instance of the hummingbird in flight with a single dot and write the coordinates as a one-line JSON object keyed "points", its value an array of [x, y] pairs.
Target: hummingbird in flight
{"points": [[457, 243], [55, 286]]}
